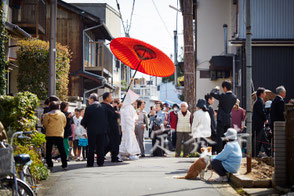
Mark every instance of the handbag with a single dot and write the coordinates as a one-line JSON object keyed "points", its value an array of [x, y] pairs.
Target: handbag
{"points": [[83, 142]]}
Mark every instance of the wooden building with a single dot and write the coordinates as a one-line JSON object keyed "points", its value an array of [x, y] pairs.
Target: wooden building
{"points": [[85, 35]]}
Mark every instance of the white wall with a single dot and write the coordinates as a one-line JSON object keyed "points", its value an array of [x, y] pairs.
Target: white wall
{"points": [[211, 15]]}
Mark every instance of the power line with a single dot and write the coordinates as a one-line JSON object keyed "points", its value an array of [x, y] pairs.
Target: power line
{"points": [[161, 19], [121, 18], [126, 28], [131, 17]]}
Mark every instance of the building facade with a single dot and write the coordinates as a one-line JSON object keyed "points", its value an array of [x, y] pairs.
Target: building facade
{"points": [[91, 66], [111, 18]]}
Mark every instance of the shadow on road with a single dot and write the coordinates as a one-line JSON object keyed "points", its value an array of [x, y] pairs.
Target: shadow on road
{"points": [[187, 161], [80, 165], [177, 191], [180, 171]]}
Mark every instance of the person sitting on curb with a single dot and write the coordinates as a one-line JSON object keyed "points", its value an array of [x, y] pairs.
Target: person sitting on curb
{"points": [[229, 159]]}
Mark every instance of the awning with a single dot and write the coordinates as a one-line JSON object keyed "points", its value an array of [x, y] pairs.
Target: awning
{"points": [[221, 63], [16, 30], [100, 31], [90, 76], [238, 43], [93, 77]]}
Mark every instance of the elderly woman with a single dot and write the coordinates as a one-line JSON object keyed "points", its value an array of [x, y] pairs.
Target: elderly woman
{"points": [[184, 121], [229, 159], [201, 129]]}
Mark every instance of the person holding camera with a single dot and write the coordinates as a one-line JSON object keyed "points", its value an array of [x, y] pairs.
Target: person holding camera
{"points": [[227, 101]]}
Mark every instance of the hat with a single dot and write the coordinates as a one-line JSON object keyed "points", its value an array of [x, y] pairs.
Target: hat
{"points": [[268, 104], [175, 105], [166, 105], [201, 104], [231, 134], [131, 97]]}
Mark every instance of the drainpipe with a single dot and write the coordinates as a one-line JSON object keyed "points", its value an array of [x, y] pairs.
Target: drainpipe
{"points": [[234, 73], [225, 26], [85, 92]]}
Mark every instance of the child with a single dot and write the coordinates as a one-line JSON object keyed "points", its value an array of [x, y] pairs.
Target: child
{"points": [[76, 136]]}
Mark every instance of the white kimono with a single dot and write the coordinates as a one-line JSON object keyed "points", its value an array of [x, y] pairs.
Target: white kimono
{"points": [[128, 115]]}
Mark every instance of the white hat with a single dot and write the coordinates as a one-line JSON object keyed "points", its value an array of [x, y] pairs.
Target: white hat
{"points": [[268, 104], [131, 97], [231, 134]]}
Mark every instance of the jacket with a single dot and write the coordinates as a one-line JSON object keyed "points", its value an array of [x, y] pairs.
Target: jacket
{"points": [[95, 120], [212, 119], [173, 120], [54, 123], [258, 116], [226, 104], [201, 124], [277, 110], [238, 115], [159, 118], [231, 157], [112, 119], [67, 128]]}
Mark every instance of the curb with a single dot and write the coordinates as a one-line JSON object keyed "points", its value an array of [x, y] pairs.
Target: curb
{"points": [[241, 181]]}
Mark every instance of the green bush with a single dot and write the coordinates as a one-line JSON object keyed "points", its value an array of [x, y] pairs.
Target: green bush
{"points": [[18, 112], [33, 62], [3, 39]]}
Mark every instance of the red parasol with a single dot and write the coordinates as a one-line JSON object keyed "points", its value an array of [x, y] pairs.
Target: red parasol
{"points": [[142, 57]]}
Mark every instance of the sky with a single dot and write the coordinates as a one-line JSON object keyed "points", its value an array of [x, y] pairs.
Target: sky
{"points": [[146, 24]]}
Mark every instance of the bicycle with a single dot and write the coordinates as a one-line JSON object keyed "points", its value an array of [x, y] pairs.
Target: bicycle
{"points": [[23, 162], [9, 183]]}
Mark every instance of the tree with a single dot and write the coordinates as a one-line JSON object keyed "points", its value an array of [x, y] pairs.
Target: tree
{"points": [[3, 39]]}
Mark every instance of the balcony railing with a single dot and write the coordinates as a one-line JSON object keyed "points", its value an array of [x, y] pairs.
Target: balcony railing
{"points": [[31, 16], [98, 57]]}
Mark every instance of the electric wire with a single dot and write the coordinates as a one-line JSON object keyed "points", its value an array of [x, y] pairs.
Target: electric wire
{"points": [[162, 19]]}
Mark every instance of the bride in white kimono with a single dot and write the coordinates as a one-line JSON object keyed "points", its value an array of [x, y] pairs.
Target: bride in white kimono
{"points": [[129, 145]]}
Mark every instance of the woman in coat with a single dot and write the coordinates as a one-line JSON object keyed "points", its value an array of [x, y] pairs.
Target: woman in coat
{"points": [[201, 129], [54, 123]]}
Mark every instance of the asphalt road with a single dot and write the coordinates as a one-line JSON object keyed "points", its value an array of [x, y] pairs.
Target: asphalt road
{"points": [[145, 177]]}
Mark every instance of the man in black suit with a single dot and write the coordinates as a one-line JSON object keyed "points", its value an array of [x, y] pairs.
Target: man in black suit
{"points": [[209, 101], [226, 102], [278, 106], [96, 122], [113, 131], [258, 122]]}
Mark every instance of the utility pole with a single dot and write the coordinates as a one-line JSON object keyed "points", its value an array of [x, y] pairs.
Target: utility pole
{"points": [[52, 48], [176, 55], [248, 49], [195, 37], [189, 60]]}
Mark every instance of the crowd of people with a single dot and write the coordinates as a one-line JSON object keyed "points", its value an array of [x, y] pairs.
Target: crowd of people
{"points": [[119, 128]]}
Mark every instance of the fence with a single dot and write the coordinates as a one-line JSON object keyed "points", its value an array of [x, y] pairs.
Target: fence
{"points": [[290, 143], [284, 149]]}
